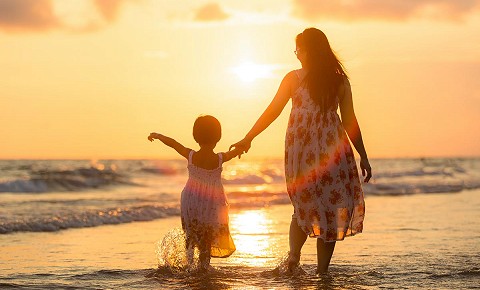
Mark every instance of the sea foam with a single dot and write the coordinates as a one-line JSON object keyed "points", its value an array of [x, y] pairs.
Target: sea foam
{"points": [[89, 219]]}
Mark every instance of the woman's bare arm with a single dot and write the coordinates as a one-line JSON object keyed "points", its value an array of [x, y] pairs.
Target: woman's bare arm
{"points": [[350, 123], [271, 113], [275, 108]]}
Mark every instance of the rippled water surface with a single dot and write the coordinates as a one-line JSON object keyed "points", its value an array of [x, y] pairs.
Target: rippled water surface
{"points": [[98, 225]]}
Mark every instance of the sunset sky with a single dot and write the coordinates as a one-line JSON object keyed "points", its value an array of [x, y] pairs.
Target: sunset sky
{"points": [[91, 79]]}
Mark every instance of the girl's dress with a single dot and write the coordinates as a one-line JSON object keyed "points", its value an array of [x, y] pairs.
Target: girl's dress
{"points": [[321, 173], [204, 209]]}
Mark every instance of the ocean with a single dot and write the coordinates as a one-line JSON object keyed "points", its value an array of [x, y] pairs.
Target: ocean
{"points": [[97, 224]]}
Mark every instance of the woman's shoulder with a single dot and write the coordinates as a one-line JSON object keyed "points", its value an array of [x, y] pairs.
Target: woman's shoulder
{"points": [[345, 82], [293, 78], [296, 74], [344, 88]]}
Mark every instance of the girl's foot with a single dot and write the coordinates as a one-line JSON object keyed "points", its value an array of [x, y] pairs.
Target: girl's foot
{"points": [[205, 269]]}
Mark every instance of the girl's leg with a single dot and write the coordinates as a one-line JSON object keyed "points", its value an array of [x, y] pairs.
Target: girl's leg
{"points": [[204, 249], [297, 238], [190, 249], [324, 254]]}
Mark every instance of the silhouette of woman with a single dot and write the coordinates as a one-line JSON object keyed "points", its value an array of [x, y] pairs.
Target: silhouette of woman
{"points": [[321, 174]]}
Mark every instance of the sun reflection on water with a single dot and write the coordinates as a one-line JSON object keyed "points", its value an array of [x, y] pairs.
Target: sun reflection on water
{"points": [[250, 230]]}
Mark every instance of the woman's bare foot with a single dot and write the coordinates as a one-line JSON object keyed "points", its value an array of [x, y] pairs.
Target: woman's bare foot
{"points": [[293, 262]]}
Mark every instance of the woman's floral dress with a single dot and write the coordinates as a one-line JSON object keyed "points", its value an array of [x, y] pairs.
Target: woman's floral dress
{"points": [[204, 210], [321, 173]]}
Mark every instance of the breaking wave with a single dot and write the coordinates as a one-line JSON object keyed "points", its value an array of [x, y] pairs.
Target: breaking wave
{"points": [[64, 180], [89, 219]]}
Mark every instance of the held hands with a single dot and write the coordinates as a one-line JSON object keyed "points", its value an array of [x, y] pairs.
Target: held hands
{"points": [[365, 166], [243, 145]]}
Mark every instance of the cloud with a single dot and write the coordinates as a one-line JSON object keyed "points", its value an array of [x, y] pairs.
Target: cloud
{"points": [[398, 10], [108, 8], [210, 12], [27, 15], [41, 15]]}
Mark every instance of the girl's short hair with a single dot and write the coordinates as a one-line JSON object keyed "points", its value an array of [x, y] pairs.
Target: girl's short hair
{"points": [[207, 130]]}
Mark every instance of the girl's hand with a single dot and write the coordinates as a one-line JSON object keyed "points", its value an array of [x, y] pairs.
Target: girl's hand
{"points": [[365, 166], [243, 145], [152, 136]]}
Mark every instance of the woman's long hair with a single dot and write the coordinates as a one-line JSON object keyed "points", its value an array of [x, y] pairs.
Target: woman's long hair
{"points": [[325, 71]]}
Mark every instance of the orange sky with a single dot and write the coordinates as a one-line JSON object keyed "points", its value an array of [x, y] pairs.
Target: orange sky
{"points": [[91, 79]]}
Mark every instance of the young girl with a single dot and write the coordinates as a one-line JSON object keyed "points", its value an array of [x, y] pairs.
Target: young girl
{"points": [[204, 207]]}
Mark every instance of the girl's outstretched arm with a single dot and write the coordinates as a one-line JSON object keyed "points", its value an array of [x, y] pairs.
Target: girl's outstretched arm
{"points": [[182, 150]]}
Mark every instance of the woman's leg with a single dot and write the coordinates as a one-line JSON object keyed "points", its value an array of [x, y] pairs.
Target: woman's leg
{"points": [[324, 254], [297, 238]]}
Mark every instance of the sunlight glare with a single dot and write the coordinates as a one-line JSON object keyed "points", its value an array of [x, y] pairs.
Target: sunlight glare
{"points": [[249, 71], [250, 231], [250, 222]]}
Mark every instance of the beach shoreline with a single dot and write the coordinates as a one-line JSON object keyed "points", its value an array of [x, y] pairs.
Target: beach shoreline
{"points": [[431, 237]]}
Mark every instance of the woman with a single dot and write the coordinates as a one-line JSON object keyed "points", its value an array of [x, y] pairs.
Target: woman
{"points": [[320, 170]]}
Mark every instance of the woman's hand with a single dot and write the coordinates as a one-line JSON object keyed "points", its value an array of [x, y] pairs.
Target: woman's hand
{"points": [[243, 145], [365, 166]]}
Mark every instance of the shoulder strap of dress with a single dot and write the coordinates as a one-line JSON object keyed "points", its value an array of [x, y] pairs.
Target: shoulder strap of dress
{"points": [[297, 73], [300, 78], [220, 159], [190, 157]]}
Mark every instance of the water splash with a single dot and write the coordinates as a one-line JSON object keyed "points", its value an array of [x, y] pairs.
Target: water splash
{"points": [[171, 251], [286, 267], [174, 257]]}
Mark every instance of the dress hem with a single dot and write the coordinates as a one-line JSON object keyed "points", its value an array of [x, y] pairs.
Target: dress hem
{"points": [[335, 240]]}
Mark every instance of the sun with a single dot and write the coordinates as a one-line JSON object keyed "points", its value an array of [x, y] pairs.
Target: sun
{"points": [[249, 71]]}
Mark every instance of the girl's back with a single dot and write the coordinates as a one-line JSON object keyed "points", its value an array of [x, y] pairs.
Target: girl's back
{"points": [[204, 207], [205, 160]]}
